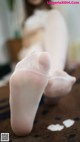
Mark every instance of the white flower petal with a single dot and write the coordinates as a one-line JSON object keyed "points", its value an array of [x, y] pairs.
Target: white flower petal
{"points": [[56, 127], [68, 123]]}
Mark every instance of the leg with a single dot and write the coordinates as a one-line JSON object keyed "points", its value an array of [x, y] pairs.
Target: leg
{"points": [[56, 44], [27, 51], [27, 85]]}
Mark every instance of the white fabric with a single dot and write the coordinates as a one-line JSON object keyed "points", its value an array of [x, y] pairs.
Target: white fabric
{"points": [[30, 63], [26, 89], [36, 21], [59, 84]]}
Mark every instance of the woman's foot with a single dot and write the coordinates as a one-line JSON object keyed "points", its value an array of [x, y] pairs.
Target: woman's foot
{"points": [[27, 85], [59, 84]]}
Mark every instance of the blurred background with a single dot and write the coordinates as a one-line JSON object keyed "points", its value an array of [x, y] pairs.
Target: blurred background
{"points": [[12, 15], [11, 20]]}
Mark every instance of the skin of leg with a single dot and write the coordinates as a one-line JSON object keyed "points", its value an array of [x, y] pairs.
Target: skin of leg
{"points": [[32, 42], [56, 44]]}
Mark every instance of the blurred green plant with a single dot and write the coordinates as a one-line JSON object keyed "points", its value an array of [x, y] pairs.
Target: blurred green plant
{"points": [[11, 4]]}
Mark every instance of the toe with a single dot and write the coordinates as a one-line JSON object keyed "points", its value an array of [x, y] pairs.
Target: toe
{"points": [[44, 62]]}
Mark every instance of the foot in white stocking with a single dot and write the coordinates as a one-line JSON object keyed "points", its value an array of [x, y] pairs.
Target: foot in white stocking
{"points": [[59, 84], [27, 85]]}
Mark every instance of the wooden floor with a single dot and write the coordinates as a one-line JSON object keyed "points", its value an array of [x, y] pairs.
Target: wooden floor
{"points": [[67, 108]]}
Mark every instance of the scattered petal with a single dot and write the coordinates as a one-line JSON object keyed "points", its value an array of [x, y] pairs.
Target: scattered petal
{"points": [[56, 127], [68, 123]]}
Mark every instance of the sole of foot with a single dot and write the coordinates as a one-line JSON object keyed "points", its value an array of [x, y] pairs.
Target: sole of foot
{"points": [[26, 89]]}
